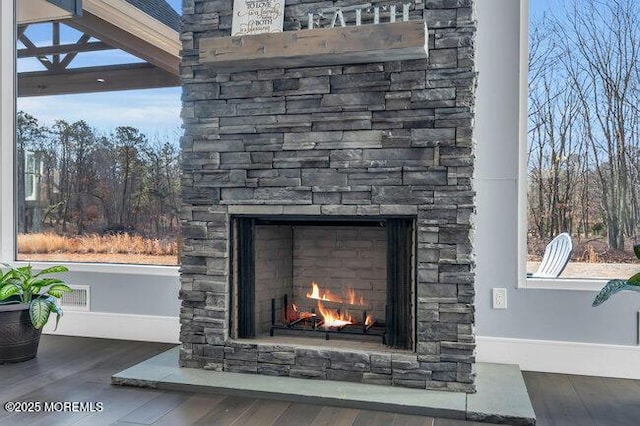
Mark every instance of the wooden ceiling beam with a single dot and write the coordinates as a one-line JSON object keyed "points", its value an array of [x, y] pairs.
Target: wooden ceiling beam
{"points": [[126, 41], [29, 45], [95, 79], [93, 46], [55, 36], [83, 40]]}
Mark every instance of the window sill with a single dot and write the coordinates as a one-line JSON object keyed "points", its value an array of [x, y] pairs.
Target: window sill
{"points": [[106, 268], [563, 284]]}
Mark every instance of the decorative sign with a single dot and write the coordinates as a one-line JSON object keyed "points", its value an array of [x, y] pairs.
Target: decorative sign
{"points": [[257, 17], [338, 16]]}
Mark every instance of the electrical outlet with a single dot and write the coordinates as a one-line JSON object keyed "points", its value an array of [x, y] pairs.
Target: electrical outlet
{"points": [[499, 298]]}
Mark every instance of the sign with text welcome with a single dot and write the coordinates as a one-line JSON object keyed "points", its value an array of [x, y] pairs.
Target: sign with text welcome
{"points": [[257, 17]]}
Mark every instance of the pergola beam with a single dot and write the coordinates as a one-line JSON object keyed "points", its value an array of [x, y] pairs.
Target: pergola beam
{"points": [[29, 45], [95, 79], [93, 46], [126, 41]]}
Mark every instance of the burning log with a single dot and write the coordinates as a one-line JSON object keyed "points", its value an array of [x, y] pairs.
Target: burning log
{"points": [[334, 318], [325, 319], [294, 315], [326, 296]]}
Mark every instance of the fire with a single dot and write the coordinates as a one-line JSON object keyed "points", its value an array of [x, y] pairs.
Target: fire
{"points": [[369, 321], [334, 319], [326, 295], [353, 300]]}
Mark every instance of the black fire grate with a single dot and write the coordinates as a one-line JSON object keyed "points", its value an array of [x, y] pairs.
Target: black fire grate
{"points": [[310, 323]]}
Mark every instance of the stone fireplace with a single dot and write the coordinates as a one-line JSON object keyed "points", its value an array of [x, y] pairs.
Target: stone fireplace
{"points": [[356, 177]]}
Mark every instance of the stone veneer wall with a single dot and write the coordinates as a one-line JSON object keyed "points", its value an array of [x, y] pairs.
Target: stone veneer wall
{"points": [[389, 138]]}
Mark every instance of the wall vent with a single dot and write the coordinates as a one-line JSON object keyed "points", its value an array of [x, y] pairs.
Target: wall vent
{"points": [[77, 300]]}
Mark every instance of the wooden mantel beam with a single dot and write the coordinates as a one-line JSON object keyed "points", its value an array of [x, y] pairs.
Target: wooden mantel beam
{"points": [[95, 79], [324, 46]]}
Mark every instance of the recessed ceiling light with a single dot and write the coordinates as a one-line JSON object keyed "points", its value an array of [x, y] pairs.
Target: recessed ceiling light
{"points": [[100, 80]]}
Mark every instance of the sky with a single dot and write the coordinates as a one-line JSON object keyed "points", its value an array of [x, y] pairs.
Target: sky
{"points": [[538, 7], [153, 111], [156, 112]]}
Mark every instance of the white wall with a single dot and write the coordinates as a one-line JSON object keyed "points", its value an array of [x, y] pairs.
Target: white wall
{"points": [[532, 314]]}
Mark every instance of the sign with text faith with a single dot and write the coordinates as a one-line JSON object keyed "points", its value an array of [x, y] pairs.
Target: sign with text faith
{"points": [[257, 17]]}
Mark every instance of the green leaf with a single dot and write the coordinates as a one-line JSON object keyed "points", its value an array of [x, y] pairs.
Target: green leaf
{"points": [[55, 308], [43, 282], [635, 280], [39, 312], [24, 271], [5, 277], [52, 270], [58, 290], [636, 250], [9, 290], [611, 287]]}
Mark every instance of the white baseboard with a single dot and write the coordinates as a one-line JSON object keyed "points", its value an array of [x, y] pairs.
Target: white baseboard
{"points": [[587, 359], [107, 325]]}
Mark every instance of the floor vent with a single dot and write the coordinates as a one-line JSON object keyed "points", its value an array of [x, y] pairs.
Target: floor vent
{"points": [[77, 300]]}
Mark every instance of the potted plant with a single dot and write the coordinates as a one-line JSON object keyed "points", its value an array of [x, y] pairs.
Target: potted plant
{"points": [[26, 301], [614, 286]]}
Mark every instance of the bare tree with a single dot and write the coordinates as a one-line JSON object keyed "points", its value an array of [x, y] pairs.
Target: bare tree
{"points": [[584, 120], [602, 46]]}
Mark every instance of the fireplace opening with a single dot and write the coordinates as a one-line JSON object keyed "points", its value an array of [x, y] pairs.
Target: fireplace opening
{"points": [[338, 279]]}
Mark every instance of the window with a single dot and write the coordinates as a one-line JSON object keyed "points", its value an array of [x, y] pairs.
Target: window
{"points": [[97, 137], [32, 173], [583, 132]]}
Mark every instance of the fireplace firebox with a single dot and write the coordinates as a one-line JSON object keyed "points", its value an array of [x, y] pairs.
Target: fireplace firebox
{"points": [[329, 278]]}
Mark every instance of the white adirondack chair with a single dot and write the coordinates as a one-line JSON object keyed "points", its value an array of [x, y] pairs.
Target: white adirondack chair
{"points": [[556, 256]]}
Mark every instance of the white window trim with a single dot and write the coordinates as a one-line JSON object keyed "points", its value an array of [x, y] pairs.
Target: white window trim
{"points": [[7, 132], [523, 281], [107, 268], [7, 192], [522, 145]]}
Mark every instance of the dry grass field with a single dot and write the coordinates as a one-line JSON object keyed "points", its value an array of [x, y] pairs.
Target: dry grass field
{"points": [[594, 270], [118, 248]]}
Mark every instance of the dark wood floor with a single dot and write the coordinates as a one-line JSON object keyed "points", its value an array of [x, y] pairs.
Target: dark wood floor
{"points": [[77, 369], [560, 399]]}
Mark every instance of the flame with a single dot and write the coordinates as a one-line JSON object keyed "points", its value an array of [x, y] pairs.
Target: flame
{"points": [[331, 317], [353, 298], [334, 319], [326, 295], [369, 321]]}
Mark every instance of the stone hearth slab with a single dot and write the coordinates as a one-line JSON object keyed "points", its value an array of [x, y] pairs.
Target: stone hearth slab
{"points": [[501, 397]]}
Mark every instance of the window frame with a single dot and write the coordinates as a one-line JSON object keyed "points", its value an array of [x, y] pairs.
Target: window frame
{"points": [[8, 194], [587, 284]]}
